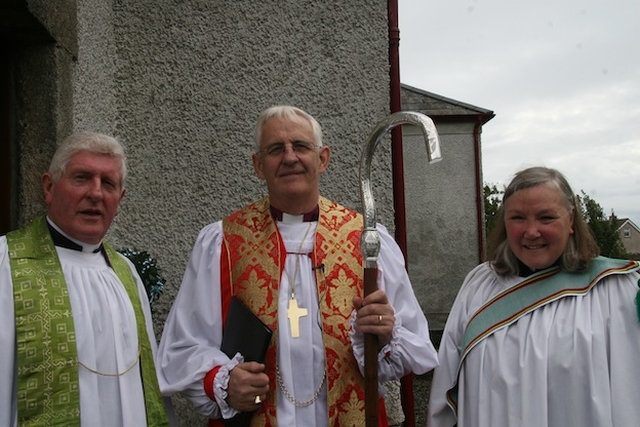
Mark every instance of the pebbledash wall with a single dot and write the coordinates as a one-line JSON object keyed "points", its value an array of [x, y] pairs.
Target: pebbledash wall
{"points": [[180, 84]]}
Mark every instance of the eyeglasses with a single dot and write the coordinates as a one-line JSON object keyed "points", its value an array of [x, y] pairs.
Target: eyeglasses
{"points": [[278, 148]]}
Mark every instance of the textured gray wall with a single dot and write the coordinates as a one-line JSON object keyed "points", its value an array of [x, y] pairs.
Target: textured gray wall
{"points": [[40, 50], [442, 236], [181, 82], [97, 103]]}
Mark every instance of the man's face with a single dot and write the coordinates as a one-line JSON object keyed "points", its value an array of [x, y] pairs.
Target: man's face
{"points": [[291, 163], [85, 200]]}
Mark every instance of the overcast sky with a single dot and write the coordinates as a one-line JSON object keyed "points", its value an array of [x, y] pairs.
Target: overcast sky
{"points": [[562, 77]]}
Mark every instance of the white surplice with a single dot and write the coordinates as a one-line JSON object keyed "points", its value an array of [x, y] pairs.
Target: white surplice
{"points": [[572, 362], [106, 338], [190, 343]]}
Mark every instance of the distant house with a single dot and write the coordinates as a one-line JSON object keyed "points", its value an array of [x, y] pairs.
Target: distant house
{"points": [[630, 235]]}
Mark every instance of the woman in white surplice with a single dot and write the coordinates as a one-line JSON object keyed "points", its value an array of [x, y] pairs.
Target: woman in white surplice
{"points": [[547, 333]]}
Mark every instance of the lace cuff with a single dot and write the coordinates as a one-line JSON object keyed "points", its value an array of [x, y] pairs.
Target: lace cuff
{"points": [[220, 384]]}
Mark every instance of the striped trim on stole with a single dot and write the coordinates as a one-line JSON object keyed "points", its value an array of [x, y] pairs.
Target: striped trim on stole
{"points": [[533, 292]]}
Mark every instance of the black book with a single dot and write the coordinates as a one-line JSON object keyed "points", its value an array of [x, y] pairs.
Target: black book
{"points": [[244, 332]]}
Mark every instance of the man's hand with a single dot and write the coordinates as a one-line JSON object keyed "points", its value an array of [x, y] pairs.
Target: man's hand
{"points": [[246, 381], [374, 315]]}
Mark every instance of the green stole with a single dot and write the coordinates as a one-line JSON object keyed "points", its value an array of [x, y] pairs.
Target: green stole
{"points": [[533, 292], [48, 386]]}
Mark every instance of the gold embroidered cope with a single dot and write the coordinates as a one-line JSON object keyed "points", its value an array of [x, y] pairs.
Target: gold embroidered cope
{"points": [[256, 256]]}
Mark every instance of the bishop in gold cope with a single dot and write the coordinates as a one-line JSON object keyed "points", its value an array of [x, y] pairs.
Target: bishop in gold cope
{"points": [[294, 259]]}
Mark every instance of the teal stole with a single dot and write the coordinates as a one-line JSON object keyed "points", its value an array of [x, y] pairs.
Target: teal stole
{"points": [[48, 386], [533, 292]]}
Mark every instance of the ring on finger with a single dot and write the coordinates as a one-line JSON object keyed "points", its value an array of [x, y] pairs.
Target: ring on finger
{"points": [[257, 400], [380, 317]]}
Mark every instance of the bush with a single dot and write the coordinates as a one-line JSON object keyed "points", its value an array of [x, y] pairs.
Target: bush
{"points": [[149, 272]]}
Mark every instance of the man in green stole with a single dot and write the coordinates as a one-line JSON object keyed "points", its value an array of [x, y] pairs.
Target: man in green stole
{"points": [[77, 338]]}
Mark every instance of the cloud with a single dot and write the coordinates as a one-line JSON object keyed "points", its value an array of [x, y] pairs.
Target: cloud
{"points": [[562, 78]]}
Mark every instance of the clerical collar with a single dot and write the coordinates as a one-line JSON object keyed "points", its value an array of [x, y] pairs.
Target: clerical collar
{"points": [[310, 216], [526, 271], [62, 240]]}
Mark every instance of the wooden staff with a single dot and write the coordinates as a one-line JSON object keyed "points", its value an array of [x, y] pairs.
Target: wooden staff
{"points": [[370, 239]]}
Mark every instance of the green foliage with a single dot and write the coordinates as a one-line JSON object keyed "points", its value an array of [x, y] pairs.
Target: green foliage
{"points": [[492, 201], [149, 272], [604, 229]]}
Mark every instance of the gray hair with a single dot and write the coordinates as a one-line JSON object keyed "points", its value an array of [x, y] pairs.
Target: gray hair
{"points": [[91, 142], [289, 113], [581, 247]]}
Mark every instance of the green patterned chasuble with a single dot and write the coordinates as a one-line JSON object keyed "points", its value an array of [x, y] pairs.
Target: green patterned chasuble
{"points": [[48, 387]]}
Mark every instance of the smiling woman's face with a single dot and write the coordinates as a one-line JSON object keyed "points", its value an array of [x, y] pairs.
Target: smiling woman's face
{"points": [[538, 225]]}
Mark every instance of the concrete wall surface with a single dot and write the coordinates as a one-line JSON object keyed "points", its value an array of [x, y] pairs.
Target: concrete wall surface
{"points": [[442, 225], [180, 83]]}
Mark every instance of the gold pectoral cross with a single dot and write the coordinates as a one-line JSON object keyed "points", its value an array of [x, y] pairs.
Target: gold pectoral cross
{"points": [[294, 313]]}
